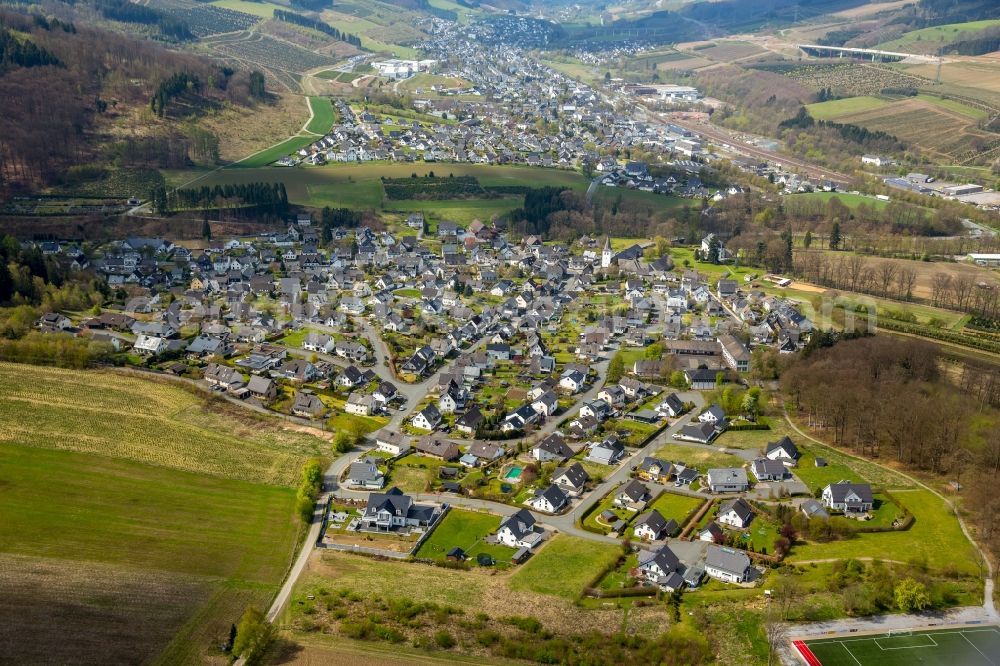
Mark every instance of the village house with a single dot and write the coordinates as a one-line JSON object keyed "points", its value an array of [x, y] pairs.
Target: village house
{"points": [[429, 418], [360, 404], [728, 480], [549, 500], [735, 513], [519, 531], [768, 470], [437, 448], [727, 565], [652, 526], [392, 442], [552, 448], [308, 405], [655, 469], [633, 496], [784, 450], [660, 568], [366, 475], [393, 511], [851, 498], [572, 479]]}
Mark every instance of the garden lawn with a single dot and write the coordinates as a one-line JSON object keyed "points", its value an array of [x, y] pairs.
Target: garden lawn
{"points": [[466, 530], [818, 478], [935, 537], [593, 522], [756, 439], [412, 473], [617, 577], [564, 566], [295, 339], [354, 423], [676, 506], [701, 457]]}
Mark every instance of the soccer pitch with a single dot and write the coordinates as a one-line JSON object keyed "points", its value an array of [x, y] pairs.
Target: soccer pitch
{"points": [[978, 646]]}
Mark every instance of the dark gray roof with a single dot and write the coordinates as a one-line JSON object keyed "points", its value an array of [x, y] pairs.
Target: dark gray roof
{"points": [[740, 506], [520, 523], [575, 474], [839, 491], [784, 443], [728, 560]]}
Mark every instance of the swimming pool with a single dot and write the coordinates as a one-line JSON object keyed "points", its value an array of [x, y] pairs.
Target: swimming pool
{"points": [[513, 474]]}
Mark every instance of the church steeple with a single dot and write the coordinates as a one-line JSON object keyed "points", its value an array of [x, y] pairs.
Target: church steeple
{"points": [[607, 254]]}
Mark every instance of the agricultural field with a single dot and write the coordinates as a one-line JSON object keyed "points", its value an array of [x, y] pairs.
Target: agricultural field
{"points": [[728, 51], [649, 200], [382, 27], [142, 551], [944, 128], [273, 54], [836, 108], [338, 76], [564, 566], [687, 64], [358, 185], [39, 589], [463, 211], [261, 9], [930, 40], [211, 19], [980, 73], [274, 153], [854, 79], [850, 200], [150, 422], [922, 289], [323, 115]]}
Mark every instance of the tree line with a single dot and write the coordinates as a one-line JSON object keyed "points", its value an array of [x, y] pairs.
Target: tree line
{"points": [[315, 24], [983, 41], [334, 218], [871, 139], [15, 52], [265, 197], [851, 272], [130, 12], [888, 398]]}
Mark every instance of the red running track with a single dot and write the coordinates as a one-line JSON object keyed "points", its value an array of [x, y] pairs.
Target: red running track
{"points": [[806, 653]]}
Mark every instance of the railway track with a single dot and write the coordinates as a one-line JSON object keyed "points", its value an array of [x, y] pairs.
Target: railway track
{"points": [[719, 136]]}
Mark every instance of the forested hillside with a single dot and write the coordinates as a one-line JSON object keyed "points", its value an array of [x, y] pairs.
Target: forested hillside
{"points": [[72, 94]]}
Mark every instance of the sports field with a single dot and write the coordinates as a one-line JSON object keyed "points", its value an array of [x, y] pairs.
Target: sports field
{"points": [[978, 646]]}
